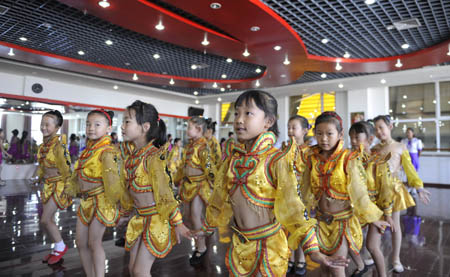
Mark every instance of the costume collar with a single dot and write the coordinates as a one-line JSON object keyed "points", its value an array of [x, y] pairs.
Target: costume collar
{"points": [[262, 144], [198, 141], [51, 141], [339, 149], [94, 144]]}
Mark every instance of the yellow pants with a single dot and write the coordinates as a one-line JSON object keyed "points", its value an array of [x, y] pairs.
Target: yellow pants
{"points": [[402, 198], [54, 188], [264, 249], [93, 203], [157, 235], [193, 186], [330, 233]]}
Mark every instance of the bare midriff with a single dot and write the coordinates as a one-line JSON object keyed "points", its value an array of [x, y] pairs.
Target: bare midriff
{"points": [[249, 217], [142, 199], [331, 205], [86, 186], [51, 172]]}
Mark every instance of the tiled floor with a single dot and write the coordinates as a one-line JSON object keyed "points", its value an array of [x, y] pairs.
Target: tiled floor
{"points": [[22, 243]]}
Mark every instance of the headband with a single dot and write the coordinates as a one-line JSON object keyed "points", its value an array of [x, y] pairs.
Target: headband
{"points": [[106, 114], [335, 115]]}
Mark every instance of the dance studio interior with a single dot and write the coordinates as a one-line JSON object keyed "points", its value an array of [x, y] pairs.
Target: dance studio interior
{"points": [[224, 138]]}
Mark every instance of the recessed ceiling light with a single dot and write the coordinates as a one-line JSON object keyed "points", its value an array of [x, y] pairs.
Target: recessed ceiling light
{"points": [[434, 101], [156, 56], [23, 38], [205, 41], [222, 89], [109, 42], [224, 76], [370, 2], [286, 60], [398, 64], [135, 77], [341, 85], [448, 53], [194, 67], [324, 40], [159, 26], [228, 86], [346, 55], [195, 92], [257, 84], [81, 53], [323, 75], [403, 106], [258, 70], [104, 4], [405, 96], [229, 60], [283, 75], [127, 64], [171, 82], [246, 53], [338, 66], [219, 99], [405, 46], [390, 110], [383, 81], [421, 108], [215, 85], [115, 87], [215, 6], [11, 52], [197, 102], [277, 48], [255, 28]]}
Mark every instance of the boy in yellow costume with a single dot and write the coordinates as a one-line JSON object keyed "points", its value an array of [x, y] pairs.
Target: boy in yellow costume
{"points": [[214, 146]]}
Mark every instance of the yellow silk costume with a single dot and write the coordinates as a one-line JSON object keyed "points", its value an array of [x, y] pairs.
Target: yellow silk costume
{"points": [[98, 164], [301, 153], [145, 172], [198, 156], [264, 175], [341, 177], [228, 147], [216, 151], [53, 154], [175, 160]]}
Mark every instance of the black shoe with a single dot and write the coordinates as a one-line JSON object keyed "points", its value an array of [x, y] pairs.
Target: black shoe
{"points": [[360, 273], [120, 242], [197, 257], [300, 268], [290, 267]]}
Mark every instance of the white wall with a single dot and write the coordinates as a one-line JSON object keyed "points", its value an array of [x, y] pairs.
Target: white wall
{"points": [[14, 121]]}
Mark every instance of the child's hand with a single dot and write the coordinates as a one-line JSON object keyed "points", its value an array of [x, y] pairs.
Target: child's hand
{"points": [[182, 230], [334, 262], [391, 223], [424, 196], [198, 233], [380, 224]]}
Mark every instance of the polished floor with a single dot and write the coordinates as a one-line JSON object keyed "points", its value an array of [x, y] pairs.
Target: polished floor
{"points": [[23, 244]]}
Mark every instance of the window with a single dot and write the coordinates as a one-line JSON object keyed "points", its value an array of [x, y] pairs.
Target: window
{"points": [[425, 131], [444, 130], [412, 102], [444, 90]]}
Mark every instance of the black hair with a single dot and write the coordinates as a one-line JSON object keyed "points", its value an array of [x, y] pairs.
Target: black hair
{"points": [[1, 130], [113, 134], [385, 118], [222, 140], [58, 115], [146, 112], [211, 125], [362, 127], [199, 121], [24, 137], [410, 129], [15, 132], [73, 137], [105, 114], [330, 117], [176, 140], [303, 121], [230, 134], [265, 102]]}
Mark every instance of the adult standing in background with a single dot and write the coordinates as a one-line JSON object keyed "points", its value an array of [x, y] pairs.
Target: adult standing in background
{"points": [[414, 146]]}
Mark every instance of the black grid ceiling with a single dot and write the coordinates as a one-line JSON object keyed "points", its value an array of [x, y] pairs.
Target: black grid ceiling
{"points": [[190, 91], [310, 76], [361, 29], [53, 27]]}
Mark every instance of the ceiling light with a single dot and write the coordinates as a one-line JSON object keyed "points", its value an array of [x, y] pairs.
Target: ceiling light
{"points": [[81, 53], [222, 89], [255, 28], [205, 41], [257, 84], [195, 92], [194, 67], [229, 60], [324, 40], [214, 85], [346, 55], [135, 77], [104, 4], [341, 85], [399, 63], [171, 82], [283, 75], [116, 87], [434, 101], [277, 48], [403, 106], [338, 66], [228, 86], [156, 56], [246, 53], [23, 38], [215, 6], [448, 53], [421, 108], [159, 26], [109, 42], [405, 96], [390, 110], [219, 99], [224, 76], [383, 81], [258, 70], [197, 102], [11, 52], [405, 46], [370, 2], [323, 75], [286, 60]]}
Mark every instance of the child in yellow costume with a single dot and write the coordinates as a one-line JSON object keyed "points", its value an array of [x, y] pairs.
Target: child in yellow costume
{"points": [[96, 179], [334, 184], [380, 189], [197, 173], [176, 157], [216, 151], [157, 224], [54, 170], [255, 185], [298, 127], [400, 158]]}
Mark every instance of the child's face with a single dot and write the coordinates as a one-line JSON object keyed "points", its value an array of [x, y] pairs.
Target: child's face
{"points": [[295, 129], [193, 130], [131, 130], [179, 143], [97, 126], [327, 135], [357, 139], [409, 134], [382, 130], [250, 121], [208, 133], [48, 125]]}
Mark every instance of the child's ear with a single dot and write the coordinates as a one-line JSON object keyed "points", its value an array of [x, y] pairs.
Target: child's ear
{"points": [[391, 126], [146, 126], [370, 139], [341, 134], [270, 121]]}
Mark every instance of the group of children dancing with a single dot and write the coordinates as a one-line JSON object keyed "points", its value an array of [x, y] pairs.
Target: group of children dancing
{"points": [[301, 200]]}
